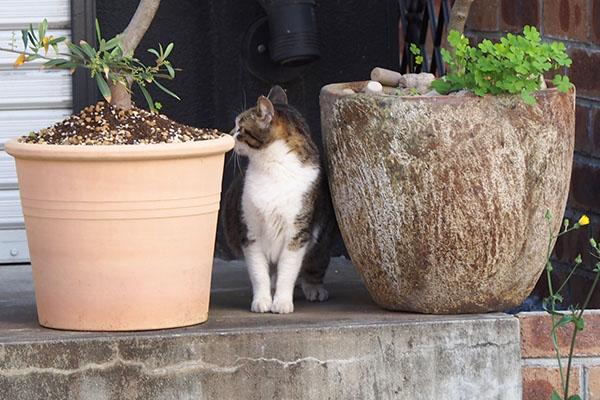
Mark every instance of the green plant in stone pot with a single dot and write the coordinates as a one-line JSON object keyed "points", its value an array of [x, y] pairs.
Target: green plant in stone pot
{"points": [[120, 203], [516, 65]]}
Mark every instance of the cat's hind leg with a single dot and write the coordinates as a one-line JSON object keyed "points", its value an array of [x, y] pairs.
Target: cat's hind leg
{"points": [[314, 291], [314, 266]]}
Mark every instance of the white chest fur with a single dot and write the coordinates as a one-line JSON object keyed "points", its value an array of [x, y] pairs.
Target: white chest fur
{"points": [[275, 184]]}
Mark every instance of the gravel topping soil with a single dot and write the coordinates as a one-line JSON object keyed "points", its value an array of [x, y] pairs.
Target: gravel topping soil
{"points": [[103, 124]]}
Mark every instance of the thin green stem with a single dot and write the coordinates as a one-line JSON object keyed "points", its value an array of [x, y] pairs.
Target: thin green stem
{"points": [[45, 57], [553, 301], [575, 330], [568, 277]]}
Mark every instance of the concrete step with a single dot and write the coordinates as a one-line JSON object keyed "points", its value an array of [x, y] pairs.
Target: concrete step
{"points": [[345, 348]]}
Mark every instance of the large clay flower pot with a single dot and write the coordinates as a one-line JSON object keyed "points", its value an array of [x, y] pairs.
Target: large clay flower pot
{"points": [[121, 237], [441, 200]]}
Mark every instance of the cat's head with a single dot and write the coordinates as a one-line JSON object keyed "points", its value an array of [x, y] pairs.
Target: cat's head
{"points": [[258, 127]]}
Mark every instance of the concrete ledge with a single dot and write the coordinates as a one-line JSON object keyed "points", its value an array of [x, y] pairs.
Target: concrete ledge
{"points": [[346, 348]]}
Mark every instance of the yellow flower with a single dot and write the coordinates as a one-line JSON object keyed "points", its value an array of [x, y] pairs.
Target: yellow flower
{"points": [[45, 43], [20, 60], [584, 220]]}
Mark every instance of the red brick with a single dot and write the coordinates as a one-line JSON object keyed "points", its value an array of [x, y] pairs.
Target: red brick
{"points": [[585, 187], [582, 129], [515, 14], [596, 132], [594, 382], [539, 382], [584, 72], [566, 19], [536, 342], [595, 21], [483, 15]]}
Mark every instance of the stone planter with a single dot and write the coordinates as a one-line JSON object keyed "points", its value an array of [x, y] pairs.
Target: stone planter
{"points": [[441, 200], [121, 237]]}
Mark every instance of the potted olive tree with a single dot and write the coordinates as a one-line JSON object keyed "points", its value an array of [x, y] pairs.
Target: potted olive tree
{"points": [[441, 198], [120, 203]]}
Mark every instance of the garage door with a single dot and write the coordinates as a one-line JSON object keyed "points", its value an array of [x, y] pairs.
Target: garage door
{"points": [[30, 99]]}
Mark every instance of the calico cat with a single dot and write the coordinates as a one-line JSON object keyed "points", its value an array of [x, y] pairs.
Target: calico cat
{"points": [[278, 214]]}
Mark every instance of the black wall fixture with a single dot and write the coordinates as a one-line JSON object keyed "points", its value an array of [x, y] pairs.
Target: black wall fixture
{"points": [[294, 39], [279, 47]]}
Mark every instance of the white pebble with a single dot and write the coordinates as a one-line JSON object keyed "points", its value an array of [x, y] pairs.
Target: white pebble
{"points": [[373, 87]]}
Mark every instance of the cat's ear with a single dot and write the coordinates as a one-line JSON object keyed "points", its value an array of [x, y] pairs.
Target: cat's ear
{"points": [[265, 110], [277, 95]]}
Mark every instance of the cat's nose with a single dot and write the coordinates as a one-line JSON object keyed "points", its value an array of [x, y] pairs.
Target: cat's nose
{"points": [[234, 132]]}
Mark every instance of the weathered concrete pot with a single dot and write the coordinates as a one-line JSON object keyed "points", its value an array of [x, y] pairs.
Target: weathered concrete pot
{"points": [[441, 200]]}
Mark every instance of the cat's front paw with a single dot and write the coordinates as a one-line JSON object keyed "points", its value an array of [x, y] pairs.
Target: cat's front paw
{"points": [[314, 292], [282, 306], [261, 305]]}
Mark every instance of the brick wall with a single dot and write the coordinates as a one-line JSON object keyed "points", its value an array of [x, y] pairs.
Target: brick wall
{"points": [[577, 24], [539, 366]]}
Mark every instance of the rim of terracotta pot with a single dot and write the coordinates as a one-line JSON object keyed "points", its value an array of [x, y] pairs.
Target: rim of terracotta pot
{"points": [[119, 152], [337, 90]]}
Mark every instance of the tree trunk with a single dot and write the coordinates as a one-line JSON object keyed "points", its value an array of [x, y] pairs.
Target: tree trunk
{"points": [[458, 18], [459, 14], [132, 35]]}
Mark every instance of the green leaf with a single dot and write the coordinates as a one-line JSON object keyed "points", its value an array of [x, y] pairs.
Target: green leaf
{"points": [[103, 86], [579, 323], [574, 397], [168, 50], [566, 319], [98, 31], [25, 37], [555, 396], [33, 57], [75, 50], [57, 40], [112, 43], [154, 52], [147, 97], [441, 86], [164, 89], [170, 69], [42, 29], [55, 62], [527, 97], [88, 50]]}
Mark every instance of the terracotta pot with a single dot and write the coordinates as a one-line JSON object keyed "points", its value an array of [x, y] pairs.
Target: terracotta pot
{"points": [[121, 237], [441, 200]]}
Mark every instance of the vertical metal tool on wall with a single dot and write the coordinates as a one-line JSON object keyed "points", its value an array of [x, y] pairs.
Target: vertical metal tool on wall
{"points": [[417, 19]]}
